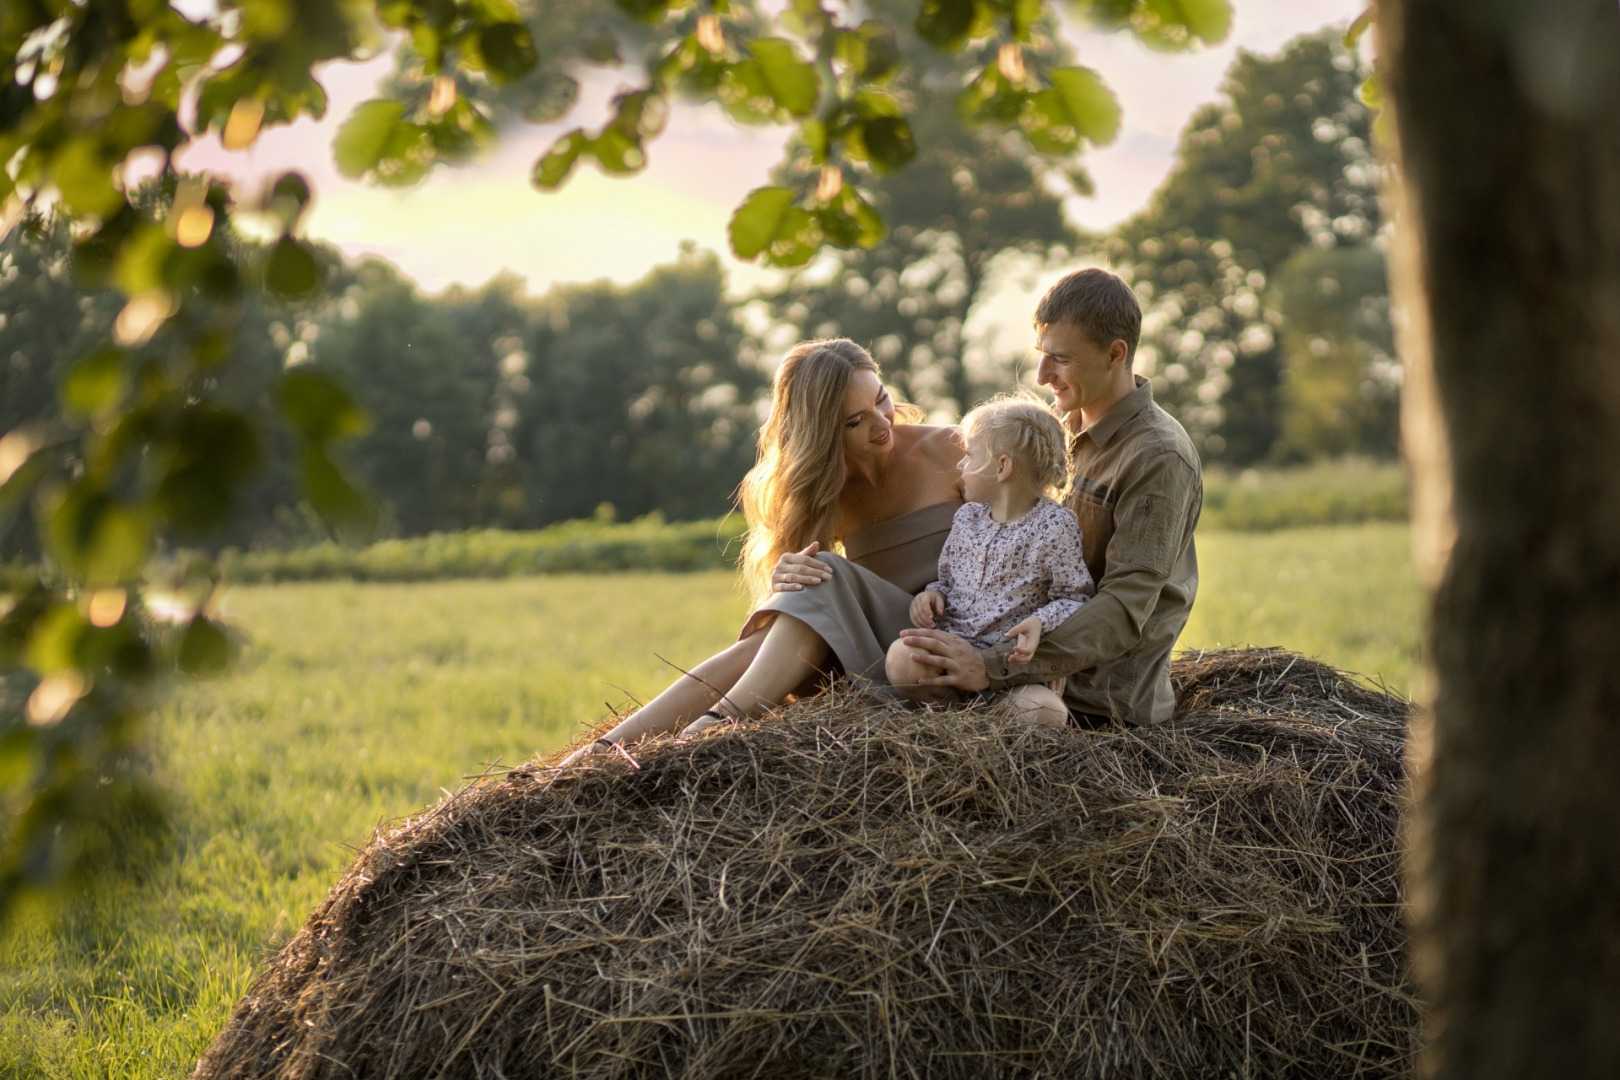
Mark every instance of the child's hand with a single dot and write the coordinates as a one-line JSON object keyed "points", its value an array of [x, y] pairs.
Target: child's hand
{"points": [[926, 605], [1027, 632]]}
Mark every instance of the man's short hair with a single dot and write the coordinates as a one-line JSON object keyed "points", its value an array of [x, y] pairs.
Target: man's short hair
{"points": [[1097, 302]]}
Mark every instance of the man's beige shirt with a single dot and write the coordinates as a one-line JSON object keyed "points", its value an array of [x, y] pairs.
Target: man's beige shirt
{"points": [[1137, 488]]}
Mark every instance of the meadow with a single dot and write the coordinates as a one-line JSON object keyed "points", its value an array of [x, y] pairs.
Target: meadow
{"points": [[360, 703]]}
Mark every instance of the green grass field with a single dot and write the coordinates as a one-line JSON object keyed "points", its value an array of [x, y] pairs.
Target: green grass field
{"points": [[360, 703]]}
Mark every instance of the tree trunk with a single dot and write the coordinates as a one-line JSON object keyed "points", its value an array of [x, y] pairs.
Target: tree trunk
{"points": [[1508, 270]]}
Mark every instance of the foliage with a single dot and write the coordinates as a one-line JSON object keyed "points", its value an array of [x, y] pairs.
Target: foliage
{"points": [[1340, 376], [151, 443], [357, 703], [585, 546], [1282, 166], [487, 406], [1342, 492], [973, 193]]}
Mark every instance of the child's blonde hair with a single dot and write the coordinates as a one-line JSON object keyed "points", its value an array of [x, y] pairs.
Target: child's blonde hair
{"points": [[1027, 432]]}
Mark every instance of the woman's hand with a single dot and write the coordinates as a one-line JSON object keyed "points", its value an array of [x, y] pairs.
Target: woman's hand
{"points": [[925, 607], [795, 570]]}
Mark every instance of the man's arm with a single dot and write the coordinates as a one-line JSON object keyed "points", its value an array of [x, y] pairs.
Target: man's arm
{"points": [[1151, 522]]}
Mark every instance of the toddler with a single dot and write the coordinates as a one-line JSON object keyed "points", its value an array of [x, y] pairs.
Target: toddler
{"points": [[1012, 566]]}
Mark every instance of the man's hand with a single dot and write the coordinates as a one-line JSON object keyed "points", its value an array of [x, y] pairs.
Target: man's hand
{"points": [[925, 606], [1028, 634], [959, 663], [795, 570]]}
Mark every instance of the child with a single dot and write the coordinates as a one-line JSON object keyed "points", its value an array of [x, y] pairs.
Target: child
{"points": [[1012, 565]]}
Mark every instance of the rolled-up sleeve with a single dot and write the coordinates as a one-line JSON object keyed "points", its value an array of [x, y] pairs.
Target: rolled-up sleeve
{"points": [[1152, 520]]}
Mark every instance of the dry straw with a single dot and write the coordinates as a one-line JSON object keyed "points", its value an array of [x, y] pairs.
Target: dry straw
{"points": [[850, 889]]}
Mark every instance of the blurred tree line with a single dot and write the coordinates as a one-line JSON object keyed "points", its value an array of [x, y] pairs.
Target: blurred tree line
{"points": [[487, 407], [1259, 264]]}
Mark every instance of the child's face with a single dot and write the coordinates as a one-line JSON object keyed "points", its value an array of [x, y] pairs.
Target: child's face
{"points": [[979, 467]]}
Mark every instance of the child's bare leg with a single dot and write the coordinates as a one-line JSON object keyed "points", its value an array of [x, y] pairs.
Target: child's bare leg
{"points": [[1039, 705], [790, 654], [688, 696], [903, 673]]}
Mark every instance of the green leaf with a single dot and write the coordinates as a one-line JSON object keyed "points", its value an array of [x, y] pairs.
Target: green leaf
{"points": [[618, 151], [798, 238], [648, 11], [552, 96], [1091, 106], [1372, 91], [1023, 17], [1362, 22], [332, 496], [289, 199], [944, 24], [990, 98], [1209, 20], [754, 224], [291, 271], [746, 93], [1047, 125], [850, 221], [1174, 24], [601, 48], [508, 51], [319, 408], [96, 384], [84, 177], [54, 639], [555, 165], [204, 649], [140, 262], [90, 533], [880, 52], [364, 136], [215, 449], [793, 83], [887, 142]]}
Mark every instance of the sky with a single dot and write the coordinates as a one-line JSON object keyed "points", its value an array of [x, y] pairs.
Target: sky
{"points": [[466, 225]]}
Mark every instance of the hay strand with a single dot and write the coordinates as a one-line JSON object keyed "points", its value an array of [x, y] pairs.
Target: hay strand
{"points": [[852, 889]]}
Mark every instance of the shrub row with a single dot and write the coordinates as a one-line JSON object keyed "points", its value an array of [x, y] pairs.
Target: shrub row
{"points": [[1334, 494], [585, 546]]}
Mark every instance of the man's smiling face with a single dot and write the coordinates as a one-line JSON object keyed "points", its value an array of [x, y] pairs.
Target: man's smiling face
{"points": [[1077, 370]]}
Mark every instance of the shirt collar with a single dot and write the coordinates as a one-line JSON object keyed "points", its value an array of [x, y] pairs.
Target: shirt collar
{"points": [[1124, 409]]}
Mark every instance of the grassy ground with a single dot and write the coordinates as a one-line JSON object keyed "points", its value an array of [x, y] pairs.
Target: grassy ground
{"points": [[359, 703]]}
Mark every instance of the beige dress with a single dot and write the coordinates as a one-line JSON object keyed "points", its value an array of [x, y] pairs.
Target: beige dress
{"points": [[863, 607]]}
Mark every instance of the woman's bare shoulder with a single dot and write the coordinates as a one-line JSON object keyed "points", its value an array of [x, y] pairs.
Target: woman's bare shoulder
{"points": [[938, 442]]}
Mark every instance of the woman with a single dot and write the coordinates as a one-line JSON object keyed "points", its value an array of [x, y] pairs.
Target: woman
{"points": [[834, 467]]}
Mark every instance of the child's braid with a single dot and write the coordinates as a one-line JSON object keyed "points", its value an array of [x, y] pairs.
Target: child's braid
{"points": [[1027, 432]]}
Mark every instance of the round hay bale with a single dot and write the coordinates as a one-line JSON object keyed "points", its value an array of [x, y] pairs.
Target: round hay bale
{"points": [[852, 889]]}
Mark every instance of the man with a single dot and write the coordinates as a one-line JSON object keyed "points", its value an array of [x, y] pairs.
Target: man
{"points": [[1137, 488]]}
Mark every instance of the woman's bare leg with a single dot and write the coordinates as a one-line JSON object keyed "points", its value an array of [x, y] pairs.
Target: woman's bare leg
{"points": [[688, 696], [790, 654]]}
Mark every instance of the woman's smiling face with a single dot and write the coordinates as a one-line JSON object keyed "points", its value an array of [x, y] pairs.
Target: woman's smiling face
{"points": [[868, 416]]}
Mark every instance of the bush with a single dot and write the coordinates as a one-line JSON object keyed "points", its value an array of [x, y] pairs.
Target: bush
{"points": [[1343, 492], [1339, 493], [584, 546]]}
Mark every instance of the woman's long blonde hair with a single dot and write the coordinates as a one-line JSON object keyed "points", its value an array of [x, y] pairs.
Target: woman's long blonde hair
{"points": [[790, 496]]}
